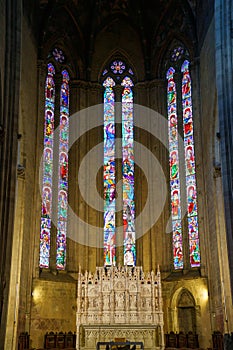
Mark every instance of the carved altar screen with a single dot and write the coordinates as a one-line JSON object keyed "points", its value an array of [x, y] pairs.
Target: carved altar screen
{"points": [[119, 302]]}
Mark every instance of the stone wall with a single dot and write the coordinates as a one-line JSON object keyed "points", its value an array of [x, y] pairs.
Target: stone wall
{"points": [[53, 307]]}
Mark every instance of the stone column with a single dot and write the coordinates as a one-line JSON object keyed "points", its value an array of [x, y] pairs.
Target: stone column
{"points": [[224, 79], [8, 146]]}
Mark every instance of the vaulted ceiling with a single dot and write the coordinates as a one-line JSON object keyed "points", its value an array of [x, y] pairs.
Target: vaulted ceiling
{"points": [[78, 22]]}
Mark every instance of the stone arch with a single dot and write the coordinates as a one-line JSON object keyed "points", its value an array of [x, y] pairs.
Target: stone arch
{"points": [[114, 55], [122, 35], [186, 312], [72, 68], [162, 62], [183, 311], [177, 15], [51, 35]]}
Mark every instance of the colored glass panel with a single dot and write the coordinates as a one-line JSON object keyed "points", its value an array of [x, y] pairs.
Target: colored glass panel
{"points": [[131, 72], [109, 174], [63, 172], [178, 260], [47, 169], [117, 67], [128, 173], [177, 53], [190, 169], [58, 55]]}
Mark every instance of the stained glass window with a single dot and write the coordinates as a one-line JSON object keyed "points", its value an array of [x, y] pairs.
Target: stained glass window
{"points": [[128, 173], [47, 168], [174, 170], [105, 72], [109, 174], [118, 69], [131, 72], [58, 55], [190, 169], [47, 180], [63, 172], [177, 53]]}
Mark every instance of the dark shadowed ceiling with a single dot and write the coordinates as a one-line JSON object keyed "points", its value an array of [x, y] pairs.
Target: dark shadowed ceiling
{"points": [[76, 23]]}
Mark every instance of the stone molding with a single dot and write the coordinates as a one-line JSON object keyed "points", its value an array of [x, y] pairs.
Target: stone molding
{"points": [[91, 334]]}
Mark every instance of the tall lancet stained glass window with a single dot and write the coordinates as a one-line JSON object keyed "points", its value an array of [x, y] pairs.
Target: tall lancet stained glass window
{"points": [[174, 170], [47, 169], [63, 172], [116, 73], [190, 168], [109, 174], [128, 173]]}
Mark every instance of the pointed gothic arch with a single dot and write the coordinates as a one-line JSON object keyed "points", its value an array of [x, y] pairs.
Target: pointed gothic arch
{"points": [[186, 312], [122, 55], [183, 315]]}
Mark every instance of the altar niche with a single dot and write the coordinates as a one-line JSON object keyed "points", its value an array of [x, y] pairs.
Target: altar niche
{"points": [[121, 302]]}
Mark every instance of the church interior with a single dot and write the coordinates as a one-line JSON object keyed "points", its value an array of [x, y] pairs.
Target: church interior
{"points": [[116, 205]]}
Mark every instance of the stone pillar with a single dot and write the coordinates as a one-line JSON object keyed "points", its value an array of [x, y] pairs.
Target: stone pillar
{"points": [[86, 248], [8, 149], [224, 79], [78, 249]]}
